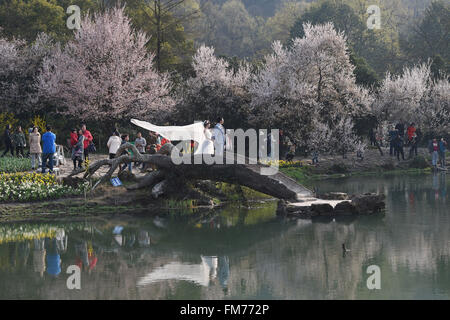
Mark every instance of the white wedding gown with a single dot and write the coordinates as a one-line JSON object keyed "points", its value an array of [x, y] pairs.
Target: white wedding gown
{"points": [[207, 145]]}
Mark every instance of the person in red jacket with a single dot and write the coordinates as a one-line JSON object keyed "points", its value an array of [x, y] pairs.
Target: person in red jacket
{"points": [[73, 137], [411, 130], [73, 140], [87, 140]]}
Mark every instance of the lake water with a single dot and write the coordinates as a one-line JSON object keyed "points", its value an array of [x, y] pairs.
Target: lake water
{"points": [[242, 253]]}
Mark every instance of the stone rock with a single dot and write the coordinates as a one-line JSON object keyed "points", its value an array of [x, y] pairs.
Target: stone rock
{"points": [[345, 208], [368, 203], [159, 189], [302, 213], [322, 209], [72, 181], [334, 196]]}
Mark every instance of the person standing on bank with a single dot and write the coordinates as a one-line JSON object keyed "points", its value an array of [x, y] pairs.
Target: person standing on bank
{"points": [[48, 149], [434, 149], [414, 142], [113, 144], [400, 127], [393, 133], [87, 141], [126, 139], [140, 143], [398, 143], [7, 138], [219, 137], [78, 149], [34, 140], [442, 150], [19, 141]]}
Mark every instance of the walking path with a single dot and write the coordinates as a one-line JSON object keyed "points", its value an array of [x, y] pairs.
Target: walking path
{"points": [[372, 160]]}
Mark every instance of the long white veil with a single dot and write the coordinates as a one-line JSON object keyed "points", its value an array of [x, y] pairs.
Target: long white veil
{"points": [[177, 133]]}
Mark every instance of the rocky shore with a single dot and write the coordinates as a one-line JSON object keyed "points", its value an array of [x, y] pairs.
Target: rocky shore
{"points": [[333, 205]]}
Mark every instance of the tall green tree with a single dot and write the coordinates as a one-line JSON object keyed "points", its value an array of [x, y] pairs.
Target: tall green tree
{"points": [[380, 51], [26, 19], [160, 20], [431, 37]]}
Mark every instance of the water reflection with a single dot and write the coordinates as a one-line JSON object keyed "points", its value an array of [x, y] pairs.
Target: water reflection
{"points": [[242, 253], [210, 269]]}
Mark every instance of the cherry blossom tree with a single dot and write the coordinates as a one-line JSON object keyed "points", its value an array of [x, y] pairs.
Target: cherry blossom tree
{"points": [[215, 90], [414, 96], [309, 83], [105, 73], [435, 112], [20, 65], [340, 139]]}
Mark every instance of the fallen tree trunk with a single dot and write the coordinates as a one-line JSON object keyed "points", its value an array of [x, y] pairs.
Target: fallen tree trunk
{"points": [[249, 175]]}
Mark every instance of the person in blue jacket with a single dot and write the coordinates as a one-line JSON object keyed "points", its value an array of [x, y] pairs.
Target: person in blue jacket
{"points": [[48, 149], [393, 133]]}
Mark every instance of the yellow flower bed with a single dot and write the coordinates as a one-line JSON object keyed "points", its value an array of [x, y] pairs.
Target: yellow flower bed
{"points": [[285, 164]]}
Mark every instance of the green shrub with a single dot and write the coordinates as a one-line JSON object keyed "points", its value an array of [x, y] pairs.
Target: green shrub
{"points": [[11, 165]]}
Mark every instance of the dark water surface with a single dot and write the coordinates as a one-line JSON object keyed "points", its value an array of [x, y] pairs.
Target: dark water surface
{"points": [[242, 253]]}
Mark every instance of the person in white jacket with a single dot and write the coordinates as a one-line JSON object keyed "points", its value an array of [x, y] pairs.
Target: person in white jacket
{"points": [[113, 144]]}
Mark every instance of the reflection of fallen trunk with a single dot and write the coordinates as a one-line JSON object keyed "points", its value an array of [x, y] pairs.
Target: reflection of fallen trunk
{"points": [[200, 274], [334, 205]]}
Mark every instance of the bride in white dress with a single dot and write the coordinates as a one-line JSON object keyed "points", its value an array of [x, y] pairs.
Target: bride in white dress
{"points": [[207, 146]]}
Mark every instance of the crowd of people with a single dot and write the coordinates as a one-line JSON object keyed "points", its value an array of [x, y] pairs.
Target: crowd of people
{"points": [[42, 148], [398, 140], [214, 142], [14, 141], [412, 136], [39, 154]]}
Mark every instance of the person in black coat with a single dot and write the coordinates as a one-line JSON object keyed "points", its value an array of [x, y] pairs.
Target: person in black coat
{"points": [[7, 138], [398, 143], [400, 127]]}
